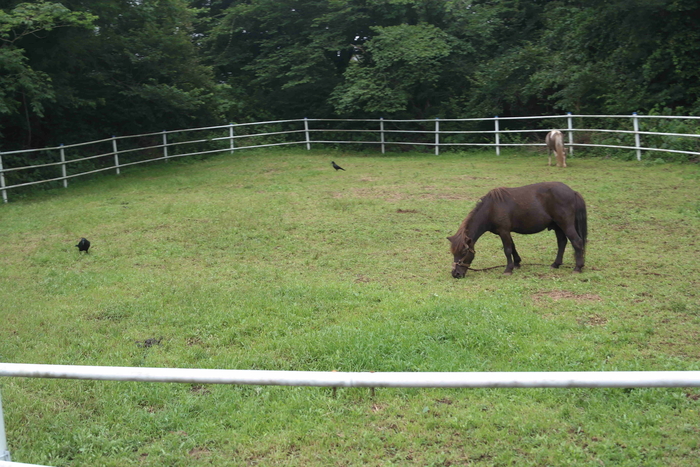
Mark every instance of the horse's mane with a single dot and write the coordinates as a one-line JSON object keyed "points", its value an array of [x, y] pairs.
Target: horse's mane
{"points": [[497, 194]]}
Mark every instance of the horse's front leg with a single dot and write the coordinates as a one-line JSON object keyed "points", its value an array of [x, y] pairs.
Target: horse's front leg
{"points": [[561, 246], [508, 249]]}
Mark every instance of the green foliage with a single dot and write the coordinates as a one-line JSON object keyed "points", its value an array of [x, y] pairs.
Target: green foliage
{"points": [[133, 67], [20, 84], [391, 67]]}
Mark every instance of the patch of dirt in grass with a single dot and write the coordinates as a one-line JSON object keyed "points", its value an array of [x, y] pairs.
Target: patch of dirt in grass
{"points": [[594, 320], [198, 453], [557, 295], [193, 341], [200, 390]]}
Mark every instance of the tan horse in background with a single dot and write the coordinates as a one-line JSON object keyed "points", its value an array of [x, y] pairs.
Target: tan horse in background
{"points": [[555, 142]]}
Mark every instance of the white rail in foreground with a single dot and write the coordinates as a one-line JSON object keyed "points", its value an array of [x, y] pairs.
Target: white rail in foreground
{"points": [[553, 379], [548, 379]]}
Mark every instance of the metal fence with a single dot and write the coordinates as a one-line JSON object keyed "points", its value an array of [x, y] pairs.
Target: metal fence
{"points": [[578, 379], [622, 132]]}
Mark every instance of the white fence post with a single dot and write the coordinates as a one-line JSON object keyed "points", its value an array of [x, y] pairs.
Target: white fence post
{"points": [[2, 182], [116, 153], [63, 167], [306, 130], [231, 135], [4, 453], [637, 142], [381, 132], [437, 136], [571, 133], [165, 146], [498, 137]]}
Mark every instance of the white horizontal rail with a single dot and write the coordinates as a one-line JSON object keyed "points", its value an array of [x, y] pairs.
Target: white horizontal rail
{"points": [[563, 379], [380, 132], [18, 464]]}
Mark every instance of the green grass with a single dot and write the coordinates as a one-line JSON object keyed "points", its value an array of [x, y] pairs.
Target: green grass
{"points": [[272, 260]]}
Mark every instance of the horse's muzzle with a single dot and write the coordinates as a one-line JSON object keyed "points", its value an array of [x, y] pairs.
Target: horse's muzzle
{"points": [[459, 270]]}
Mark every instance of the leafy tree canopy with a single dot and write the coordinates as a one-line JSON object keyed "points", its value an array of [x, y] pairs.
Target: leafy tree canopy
{"points": [[83, 69]]}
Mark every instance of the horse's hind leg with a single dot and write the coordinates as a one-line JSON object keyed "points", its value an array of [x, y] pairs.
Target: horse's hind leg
{"points": [[579, 247], [516, 256], [561, 246]]}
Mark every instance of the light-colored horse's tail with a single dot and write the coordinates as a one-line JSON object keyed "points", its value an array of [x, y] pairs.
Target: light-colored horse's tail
{"points": [[555, 142]]}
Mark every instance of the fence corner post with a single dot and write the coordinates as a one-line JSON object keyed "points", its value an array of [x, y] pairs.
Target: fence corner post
{"points": [[437, 136], [637, 142], [498, 137], [570, 121], [4, 453], [2, 181], [381, 132], [63, 167], [306, 130], [116, 153]]}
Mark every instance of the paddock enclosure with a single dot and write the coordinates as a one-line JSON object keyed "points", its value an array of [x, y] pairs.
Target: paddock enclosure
{"points": [[655, 136], [269, 261]]}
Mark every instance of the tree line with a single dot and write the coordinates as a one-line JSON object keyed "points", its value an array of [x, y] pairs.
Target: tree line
{"points": [[85, 69]]}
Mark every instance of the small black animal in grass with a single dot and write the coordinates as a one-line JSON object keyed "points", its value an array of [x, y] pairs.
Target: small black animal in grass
{"points": [[83, 245], [336, 166]]}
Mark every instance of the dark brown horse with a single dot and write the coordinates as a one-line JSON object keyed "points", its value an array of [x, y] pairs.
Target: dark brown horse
{"points": [[525, 210]]}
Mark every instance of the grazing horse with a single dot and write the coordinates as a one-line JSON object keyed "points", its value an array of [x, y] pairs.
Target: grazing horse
{"points": [[525, 210], [555, 142]]}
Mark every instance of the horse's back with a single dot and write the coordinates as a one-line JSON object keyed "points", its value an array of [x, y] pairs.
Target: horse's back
{"points": [[533, 208], [555, 190], [553, 137]]}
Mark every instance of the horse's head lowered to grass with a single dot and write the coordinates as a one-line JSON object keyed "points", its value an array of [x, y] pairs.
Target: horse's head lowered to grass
{"points": [[462, 248]]}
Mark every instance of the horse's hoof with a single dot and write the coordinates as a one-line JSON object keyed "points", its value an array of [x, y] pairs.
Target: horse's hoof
{"points": [[508, 273], [554, 266], [517, 266]]}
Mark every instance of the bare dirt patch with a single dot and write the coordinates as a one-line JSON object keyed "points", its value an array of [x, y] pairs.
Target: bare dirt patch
{"points": [[594, 320], [362, 279], [199, 453]]}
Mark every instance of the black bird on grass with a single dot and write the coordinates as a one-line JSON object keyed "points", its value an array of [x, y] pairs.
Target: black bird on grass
{"points": [[83, 245], [336, 166]]}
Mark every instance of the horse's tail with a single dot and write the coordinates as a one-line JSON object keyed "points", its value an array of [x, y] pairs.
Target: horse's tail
{"points": [[581, 219]]}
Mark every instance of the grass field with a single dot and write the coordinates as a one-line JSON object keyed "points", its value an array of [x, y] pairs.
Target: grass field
{"points": [[272, 260]]}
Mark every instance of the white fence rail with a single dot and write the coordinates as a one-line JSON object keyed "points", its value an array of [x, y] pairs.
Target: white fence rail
{"points": [[553, 379], [576, 379], [113, 154]]}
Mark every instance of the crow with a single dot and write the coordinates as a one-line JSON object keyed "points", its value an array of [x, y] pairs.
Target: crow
{"points": [[83, 245], [336, 166]]}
